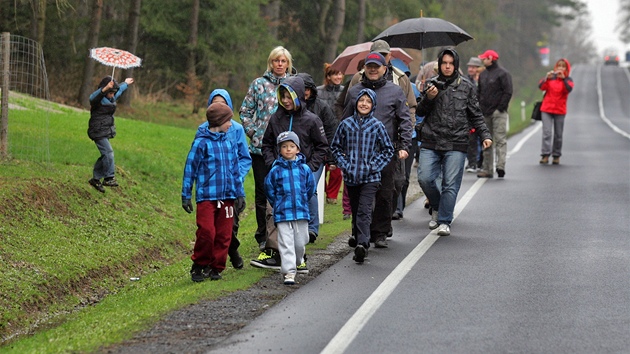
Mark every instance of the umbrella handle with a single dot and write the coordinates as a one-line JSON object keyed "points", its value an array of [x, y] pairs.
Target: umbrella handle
{"points": [[114, 68]]}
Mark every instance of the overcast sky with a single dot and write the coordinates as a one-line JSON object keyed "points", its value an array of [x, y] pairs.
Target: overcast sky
{"points": [[604, 15]]}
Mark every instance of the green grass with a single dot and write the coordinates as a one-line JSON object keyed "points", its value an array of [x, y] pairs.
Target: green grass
{"points": [[67, 252]]}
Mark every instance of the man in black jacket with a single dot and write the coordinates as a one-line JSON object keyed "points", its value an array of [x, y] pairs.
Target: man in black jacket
{"points": [[495, 92], [450, 108]]}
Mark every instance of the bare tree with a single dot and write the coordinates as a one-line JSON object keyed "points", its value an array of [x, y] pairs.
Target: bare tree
{"points": [[133, 24], [88, 68], [623, 24], [271, 12], [192, 87], [361, 22], [331, 34]]}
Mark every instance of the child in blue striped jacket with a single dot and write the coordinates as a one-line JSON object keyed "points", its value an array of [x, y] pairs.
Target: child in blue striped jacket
{"points": [[289, 186], [212, 166], [362, 149]]}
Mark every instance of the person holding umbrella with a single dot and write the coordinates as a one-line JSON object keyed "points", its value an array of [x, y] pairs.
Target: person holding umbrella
{"points": [[102, 128], [444, 137]]}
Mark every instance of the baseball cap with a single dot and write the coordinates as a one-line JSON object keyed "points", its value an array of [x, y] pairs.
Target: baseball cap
{"points": [[288, 136], [489, 54], [375, 58], [380, 46], [474, 61]]}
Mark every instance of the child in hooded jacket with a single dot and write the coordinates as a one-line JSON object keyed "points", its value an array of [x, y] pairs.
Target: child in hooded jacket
{"points": [[362, 149], [212, 166], [289, 186]]}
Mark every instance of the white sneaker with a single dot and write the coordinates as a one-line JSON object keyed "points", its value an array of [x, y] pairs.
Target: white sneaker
{"points": [[433, 223], [444, 230], [289, 279]]}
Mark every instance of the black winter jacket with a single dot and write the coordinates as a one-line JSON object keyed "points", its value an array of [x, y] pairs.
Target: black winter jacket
{"points": [[449, 116], [495, 89], [304, 123]]}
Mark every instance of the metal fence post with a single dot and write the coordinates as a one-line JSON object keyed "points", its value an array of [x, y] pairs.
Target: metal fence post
{"points": [[4, 116]]}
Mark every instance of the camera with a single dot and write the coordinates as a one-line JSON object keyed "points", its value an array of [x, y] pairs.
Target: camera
{"points": [[434, 81]]}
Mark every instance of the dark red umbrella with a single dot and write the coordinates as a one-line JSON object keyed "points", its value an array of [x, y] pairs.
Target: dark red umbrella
{"points": [[423, 32]]}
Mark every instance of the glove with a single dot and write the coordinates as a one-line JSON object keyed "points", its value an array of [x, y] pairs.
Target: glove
{"points": [[187, 205], [239, 205]]}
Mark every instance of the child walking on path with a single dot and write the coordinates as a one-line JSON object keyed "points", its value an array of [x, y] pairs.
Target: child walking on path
{"points": [[212, 165], [289, 186], [362, 149]]}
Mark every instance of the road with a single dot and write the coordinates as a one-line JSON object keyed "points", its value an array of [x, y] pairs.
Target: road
{"points": [[537, 262]]}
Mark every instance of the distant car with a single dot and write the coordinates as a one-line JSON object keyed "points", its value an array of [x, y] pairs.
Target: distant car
{"points": [[611, 57]]}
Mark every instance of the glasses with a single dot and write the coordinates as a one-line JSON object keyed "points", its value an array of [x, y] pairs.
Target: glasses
{"points": [[281, 61]]}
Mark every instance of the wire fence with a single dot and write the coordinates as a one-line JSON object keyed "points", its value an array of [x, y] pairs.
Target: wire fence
{"points": [[23, 135]]}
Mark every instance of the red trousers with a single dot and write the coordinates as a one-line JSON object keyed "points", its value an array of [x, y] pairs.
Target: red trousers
{"points": [[214, 233], [333, 184]]}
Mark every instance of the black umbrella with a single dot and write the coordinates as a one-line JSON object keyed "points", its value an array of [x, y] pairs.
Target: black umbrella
{"points": [[423, 32]]}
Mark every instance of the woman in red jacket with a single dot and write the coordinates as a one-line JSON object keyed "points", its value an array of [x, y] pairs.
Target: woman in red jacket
{"points": [[557, 86]]}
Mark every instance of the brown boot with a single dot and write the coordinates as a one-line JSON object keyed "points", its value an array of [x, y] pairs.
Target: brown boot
{"points": [[544, 160], [556, 160]]}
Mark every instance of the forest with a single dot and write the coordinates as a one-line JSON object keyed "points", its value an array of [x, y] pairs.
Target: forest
{"points": [[190, 47]]}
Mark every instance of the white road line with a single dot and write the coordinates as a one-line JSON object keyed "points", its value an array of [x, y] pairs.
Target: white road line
{"points": [[342, 340], [600, 101]]}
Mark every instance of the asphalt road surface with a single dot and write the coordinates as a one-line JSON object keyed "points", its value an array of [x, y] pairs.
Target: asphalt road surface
{"points": [[537, 262]]}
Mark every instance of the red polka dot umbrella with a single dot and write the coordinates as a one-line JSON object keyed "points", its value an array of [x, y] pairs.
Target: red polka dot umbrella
{"points": [[115, 57]]}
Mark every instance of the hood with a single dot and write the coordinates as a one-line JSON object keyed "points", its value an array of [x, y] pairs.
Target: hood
{"points": [[268, 75], [568, 72], [204, 132], [455, 56], [223, 93], [295, 86], [372, 95], [309, 83]]}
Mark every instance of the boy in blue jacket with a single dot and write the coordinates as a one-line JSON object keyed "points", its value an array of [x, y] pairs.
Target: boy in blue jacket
{"points": [[289, 185], [362, 149], [236, 134], [212, 166]]}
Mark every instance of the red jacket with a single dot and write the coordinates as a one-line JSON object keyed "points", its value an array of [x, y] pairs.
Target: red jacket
{"points": [[557, 91]]}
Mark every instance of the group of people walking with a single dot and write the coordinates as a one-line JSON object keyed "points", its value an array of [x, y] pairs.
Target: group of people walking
{"points": [[361, 131]]}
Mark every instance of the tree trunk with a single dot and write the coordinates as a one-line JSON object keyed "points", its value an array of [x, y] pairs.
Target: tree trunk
{"points": [[132, 42], [332, 39], [271, 12], [361, 22], [88, 68], [191, 90]]}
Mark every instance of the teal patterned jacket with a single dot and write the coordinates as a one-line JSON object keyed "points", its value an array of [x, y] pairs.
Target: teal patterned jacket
{"points": [[258, 105]]}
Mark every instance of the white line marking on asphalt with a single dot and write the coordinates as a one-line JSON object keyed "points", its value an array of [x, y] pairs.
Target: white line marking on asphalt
{"points": [[340, 342], [600, 101]]}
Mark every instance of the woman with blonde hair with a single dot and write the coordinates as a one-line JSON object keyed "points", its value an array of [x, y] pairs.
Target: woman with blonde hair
{"points": [[259, 104]]}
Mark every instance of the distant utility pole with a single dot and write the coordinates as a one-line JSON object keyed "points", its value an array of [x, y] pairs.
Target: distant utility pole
{"points": [[4, 116]]}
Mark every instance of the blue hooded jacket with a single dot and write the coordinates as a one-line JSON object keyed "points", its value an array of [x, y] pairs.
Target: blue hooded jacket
{"points": [[362, 146], [289, 186], [235, 134]]}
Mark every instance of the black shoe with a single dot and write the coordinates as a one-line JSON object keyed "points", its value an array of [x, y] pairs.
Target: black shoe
{"points": [[268, 259], [110, 182], [352, 242], [500, 172], [359, 254], [199, 273], [347, 216], [214, 274], [312, 236], [397, 216], [236, 259], [97, 185]]}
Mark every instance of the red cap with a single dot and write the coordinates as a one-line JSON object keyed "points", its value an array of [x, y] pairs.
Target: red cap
{"points": [[489, 54]]}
